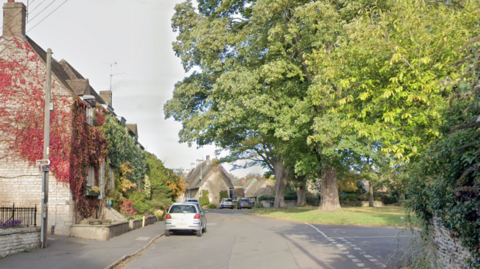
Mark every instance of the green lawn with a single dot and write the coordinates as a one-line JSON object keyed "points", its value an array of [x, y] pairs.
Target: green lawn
{"points": [[366, 216]]}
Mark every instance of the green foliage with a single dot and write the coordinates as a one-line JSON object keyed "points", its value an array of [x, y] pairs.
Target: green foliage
{"points": [[265, 198], [162, 180], [444, 183], [312, 198], [212, 206], [383, 75], [352, 197], [123, 148], [204, 200], [223, 194]]}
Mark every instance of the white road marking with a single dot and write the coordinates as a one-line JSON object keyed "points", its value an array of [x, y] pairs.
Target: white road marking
{"points": [[344, 250], [143, 238]]}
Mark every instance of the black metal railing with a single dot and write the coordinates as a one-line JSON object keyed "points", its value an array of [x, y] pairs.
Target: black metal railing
{"points": [[18, 216]]}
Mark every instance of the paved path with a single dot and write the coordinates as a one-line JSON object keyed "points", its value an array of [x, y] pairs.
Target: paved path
{"points": [[76, 253]]}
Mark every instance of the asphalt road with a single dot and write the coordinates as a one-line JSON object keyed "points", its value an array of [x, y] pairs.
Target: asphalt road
{"points": [[238, 240]]}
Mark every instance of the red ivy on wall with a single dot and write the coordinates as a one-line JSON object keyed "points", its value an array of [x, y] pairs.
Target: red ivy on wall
{"points": [[74, 145]]}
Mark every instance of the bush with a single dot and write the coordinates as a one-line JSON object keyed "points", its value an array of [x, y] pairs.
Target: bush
{"points": [[266, 198], [287, 197], [212, 206], [10, 223], [348, 197], [388, 200], [290, 197], [223, 194]]}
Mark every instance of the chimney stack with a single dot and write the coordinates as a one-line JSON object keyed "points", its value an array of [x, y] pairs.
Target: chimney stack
{"points": [[14, 18], [107, 97]]}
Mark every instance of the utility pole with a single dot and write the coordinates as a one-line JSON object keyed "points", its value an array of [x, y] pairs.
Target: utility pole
{"points": [[46, 148]]}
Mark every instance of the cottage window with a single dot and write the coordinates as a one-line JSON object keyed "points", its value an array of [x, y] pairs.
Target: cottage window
{"points": [[90, 176], [102, 178], [89, 115]]}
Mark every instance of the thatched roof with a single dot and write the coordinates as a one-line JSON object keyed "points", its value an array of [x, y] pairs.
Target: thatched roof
{"points": [[197, 176], [255, 188]]}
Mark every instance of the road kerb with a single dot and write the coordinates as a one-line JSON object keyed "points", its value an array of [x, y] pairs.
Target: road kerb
{"points": [[126, 257]]}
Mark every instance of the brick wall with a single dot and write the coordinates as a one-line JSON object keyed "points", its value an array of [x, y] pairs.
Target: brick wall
{"points": [[450, 253], [16, 240]]}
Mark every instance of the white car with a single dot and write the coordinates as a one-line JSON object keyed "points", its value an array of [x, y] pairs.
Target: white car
{"points": [[226, 203], [185, 217]]}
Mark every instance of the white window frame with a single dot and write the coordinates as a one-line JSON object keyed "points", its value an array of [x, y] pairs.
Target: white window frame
{"points": [[89, 116], [90, 176]]}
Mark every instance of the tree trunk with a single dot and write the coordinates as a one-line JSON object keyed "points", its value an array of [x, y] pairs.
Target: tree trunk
{"points": [[280, 183], [301, 196], [370, 190], [330, 200]]}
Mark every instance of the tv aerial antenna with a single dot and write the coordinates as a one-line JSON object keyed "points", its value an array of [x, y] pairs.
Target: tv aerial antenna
{"points": [[111, 77]]}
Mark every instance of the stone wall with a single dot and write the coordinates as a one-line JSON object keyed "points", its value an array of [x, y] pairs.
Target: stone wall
{"points": [[16, 240], [450, 253], [99, 232], [21, 184], [215, 184], [20, 181]]}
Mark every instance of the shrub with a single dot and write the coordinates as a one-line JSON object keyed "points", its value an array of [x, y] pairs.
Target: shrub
{"points": [[223, 194], [290, 197], [350, 197], [266, 198], [388, 200], [11, 223], [212, 206], [204, 199]]}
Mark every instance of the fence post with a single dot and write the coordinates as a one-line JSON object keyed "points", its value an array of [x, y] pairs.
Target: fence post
{"points": [[13, 212], [35, 216]]}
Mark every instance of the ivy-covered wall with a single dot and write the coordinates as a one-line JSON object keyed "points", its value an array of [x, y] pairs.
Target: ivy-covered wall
{"points": [[123, 148]]}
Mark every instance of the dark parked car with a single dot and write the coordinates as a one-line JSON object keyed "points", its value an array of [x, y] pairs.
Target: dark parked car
{"points": [[245, 203]]}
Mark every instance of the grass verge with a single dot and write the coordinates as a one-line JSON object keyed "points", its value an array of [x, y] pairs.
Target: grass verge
{"points": [[364, 216]]}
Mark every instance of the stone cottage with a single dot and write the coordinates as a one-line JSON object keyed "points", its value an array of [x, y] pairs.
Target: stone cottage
{"points": [[208, 176]]}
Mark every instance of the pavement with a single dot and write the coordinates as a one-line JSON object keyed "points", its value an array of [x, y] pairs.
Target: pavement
{"points": [[77, 253]]}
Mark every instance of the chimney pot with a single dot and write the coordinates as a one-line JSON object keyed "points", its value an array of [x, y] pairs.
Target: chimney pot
{"points": [[11, 1]]}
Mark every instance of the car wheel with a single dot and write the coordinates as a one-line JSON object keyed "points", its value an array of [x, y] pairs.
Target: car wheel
{"points": [[167, 233], [200, 232]]}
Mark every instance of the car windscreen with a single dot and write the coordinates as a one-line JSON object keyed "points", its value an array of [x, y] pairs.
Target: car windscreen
{"points": [[228, 200], [183, 209], [246, 200]]}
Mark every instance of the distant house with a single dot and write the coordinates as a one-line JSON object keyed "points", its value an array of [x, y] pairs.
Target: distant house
{"points": [[206, 176], [257, 187]]}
